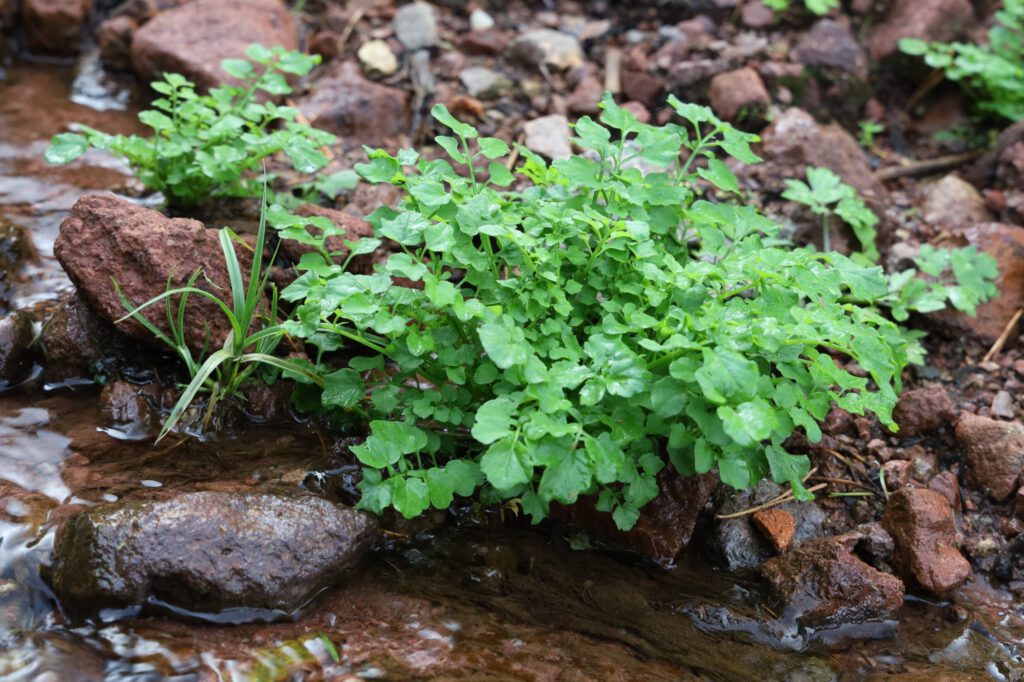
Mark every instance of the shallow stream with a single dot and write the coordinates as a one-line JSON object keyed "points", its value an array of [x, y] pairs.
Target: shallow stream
{"points": [[474, 598]]}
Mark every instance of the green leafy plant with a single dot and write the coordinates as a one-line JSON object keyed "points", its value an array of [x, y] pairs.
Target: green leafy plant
{"points": [[868, 131], [993, 73], [819, 7], [826, 195], [254, 336], [210, 146], [576, 335]]}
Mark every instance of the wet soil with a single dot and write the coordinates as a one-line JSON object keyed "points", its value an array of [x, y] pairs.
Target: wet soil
{"points": [[478, 597]]}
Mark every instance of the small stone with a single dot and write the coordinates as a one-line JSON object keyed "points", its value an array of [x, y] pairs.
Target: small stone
{"points": [[924, 410], [485, 43], [586, 96], [921, 525], [16, 336], [479, 20], [931, 20], [549, 136], [738, 92], [995, 453], [547, 46], [952, 202], [777, 525], [485, 83], [416, 26], [642, 113], [898, 473], [640, 86], [831, 44], [1003, 405], [756, 14], [376, 57]]}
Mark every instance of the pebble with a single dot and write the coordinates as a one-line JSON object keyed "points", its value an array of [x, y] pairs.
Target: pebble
{"points": [[416, 26], [485, 83], [479, 20], [376, 57], [550, 47], [549, 136], [1002, 405]]}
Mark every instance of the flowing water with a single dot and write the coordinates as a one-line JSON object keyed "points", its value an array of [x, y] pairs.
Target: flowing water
{"points": [[475, 598]]}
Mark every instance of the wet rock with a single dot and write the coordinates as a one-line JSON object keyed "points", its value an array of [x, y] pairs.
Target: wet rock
{"points": [[16, 356], [1005, 243], [485, 83], [739, 92], [207, 552], [932, 20], [666, 523], [549, 136], [995, 453], [115, 37], [776, 525], [952, 202], [824, 585], [353, 229], [945, 484], [416, 26], [874, 544], [106, 239], [921, 525], [737, 545], [795, 141], [479, 20], [54, 26], [75, 340], [357, 109], [129, 403], [924, 410], [547, 46], [831, 45], [376, 57], [194, 38]]}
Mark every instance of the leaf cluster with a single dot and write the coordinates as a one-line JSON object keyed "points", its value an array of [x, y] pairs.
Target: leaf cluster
{"points": [[603, 320], [818, 7], [992, 72], [211, 146], [826, 194]]}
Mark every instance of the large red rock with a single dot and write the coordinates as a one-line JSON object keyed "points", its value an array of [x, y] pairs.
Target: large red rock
{"points": [[358, 110], [666, 523], [1006, 244], [940, 20], [920, 522], [995, 453], [194, 38], [827, 585], [106, 239], [54, 26]]}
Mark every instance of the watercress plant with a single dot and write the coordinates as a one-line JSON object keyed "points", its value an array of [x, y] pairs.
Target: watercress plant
{"points": [[604, 320], [209, 146]]}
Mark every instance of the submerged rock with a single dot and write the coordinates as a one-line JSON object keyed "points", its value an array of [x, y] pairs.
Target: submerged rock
{"points": [[75, 340], [824, 585], [924, 540], [207, 552], [194, 38], [995, 453], [106, 238]]}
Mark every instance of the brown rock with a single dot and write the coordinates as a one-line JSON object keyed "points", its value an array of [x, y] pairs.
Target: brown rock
{"points": [[952, 202], [737, 92], [940, 20], [1006, 244], [194, 38], [16, 353], [898, 473], [830, 44], [777, 525], [488, 43], [357, 109], [115, 37], [795, 141], [666, 523], [586, 96], [921, 525], [828, 586], [642, 87], [54, 26], [105, 238], [353, 229], [756, 15], [995, 453], [74, 339], [924, 410], [945, 484]]}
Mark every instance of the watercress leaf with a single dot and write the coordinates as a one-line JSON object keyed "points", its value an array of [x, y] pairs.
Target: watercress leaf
{"points": [[493, 147], [494, 419], [503, 465], [66, 147], [343, 388]]}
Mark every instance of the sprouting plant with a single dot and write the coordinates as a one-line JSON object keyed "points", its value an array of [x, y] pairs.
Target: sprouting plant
{"points": [[211, 146], [868, 131], [992, 73], [826, 195], [577, 335], [255, 332], [819, 7]]}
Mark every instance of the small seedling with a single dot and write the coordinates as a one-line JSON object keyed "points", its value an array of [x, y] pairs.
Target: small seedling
{"points": [[826, 195]]}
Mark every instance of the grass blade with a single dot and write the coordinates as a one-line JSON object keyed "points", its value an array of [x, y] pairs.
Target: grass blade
{"points": [[193, 388]]}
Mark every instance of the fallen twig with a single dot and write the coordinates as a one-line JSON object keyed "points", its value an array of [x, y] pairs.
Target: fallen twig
{"points": [[927, 166], [781, 499], [997, 347]]}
